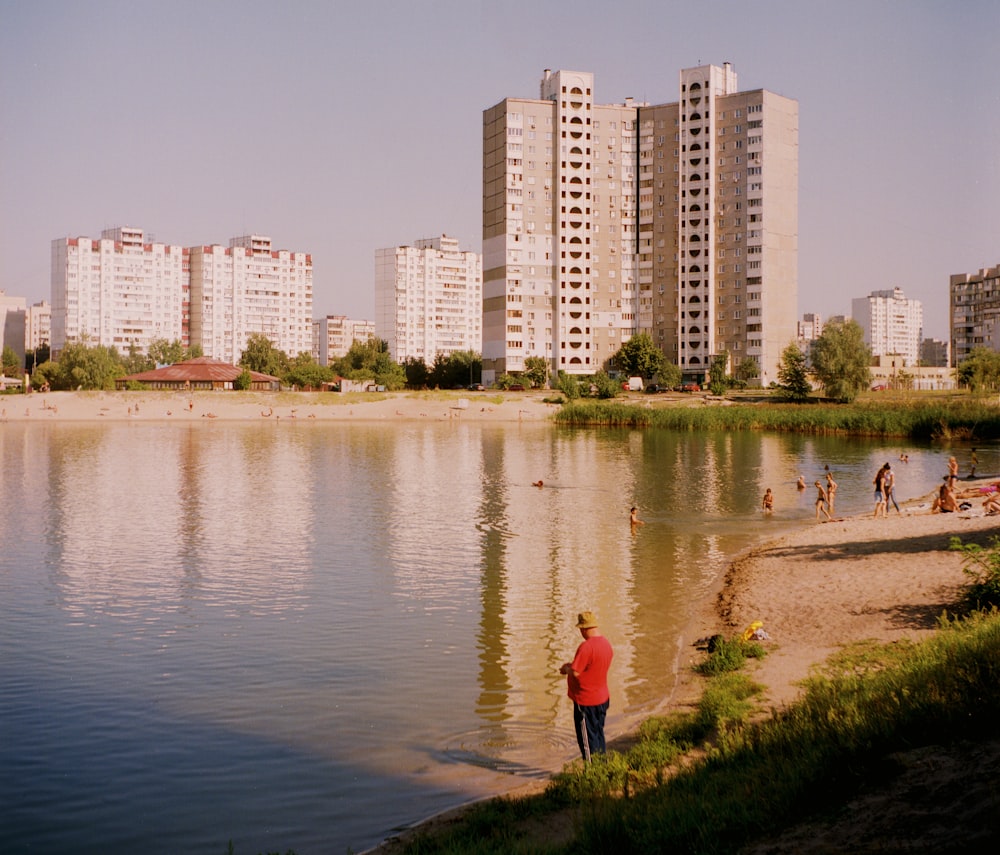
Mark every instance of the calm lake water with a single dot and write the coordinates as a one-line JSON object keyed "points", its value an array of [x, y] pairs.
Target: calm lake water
{"points": [[306, 635]]}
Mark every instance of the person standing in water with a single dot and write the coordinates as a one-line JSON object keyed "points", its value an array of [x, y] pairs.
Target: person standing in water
{"points": [[821, 501]]}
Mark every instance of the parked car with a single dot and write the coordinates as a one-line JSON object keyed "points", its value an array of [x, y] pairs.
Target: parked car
{"points": [[689, 387], [879, 388], [515, 387], [477, 387], [653, 388]]}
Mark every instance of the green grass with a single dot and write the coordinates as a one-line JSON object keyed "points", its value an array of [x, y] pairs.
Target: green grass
{"points": [[923, 419]]}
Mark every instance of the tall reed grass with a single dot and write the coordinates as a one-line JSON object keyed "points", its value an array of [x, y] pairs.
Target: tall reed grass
{"points": [[918, 419]]}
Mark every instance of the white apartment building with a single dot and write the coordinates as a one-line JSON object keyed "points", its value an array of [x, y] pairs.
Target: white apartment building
{"points": [[118, 291], [600, 221], [334, 335], [429, 299], [892, 324], [250, 287]]}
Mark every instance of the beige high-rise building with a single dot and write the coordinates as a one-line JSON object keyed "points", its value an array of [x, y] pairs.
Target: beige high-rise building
{"points": [[600, 221], [250, 287], [428, 299], [120, 291]]}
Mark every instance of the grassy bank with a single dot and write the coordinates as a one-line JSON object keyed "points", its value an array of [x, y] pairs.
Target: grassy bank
{"points": [[757, 776], [918, 420]]}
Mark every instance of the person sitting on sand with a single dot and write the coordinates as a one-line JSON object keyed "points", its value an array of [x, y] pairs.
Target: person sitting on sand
{"points": [[945, 502], [767, 503], [991, 504], [821, 501]]}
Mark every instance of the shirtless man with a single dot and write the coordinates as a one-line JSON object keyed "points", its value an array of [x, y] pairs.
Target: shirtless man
{"points": [[821, 501], [767, 503], [633, 517]]}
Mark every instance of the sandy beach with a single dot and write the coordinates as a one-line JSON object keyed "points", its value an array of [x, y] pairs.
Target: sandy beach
{"points": [[489, 406]]}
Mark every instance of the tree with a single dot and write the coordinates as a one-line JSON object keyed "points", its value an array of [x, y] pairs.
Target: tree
{"points": [[455, 369], [980, 370], [243, 380], [416, 372], [135, 362], [747, 369], [841, 361], [164, 352], [793, 377], [639, 357], [669, 374], [536, 370], [370, 360], [606, 386], [86, 367], [10, 365], [569, 385], [262, 356], [306, 372], [717, 373], [47, 373]]}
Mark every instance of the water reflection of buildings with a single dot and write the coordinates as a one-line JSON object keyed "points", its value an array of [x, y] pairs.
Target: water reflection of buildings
{"points": [[160, 519]]}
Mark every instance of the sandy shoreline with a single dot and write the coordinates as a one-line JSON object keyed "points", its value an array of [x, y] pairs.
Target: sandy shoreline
{"points": [[277, 406]]}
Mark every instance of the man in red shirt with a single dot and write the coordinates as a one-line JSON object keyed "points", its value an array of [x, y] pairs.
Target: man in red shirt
{"points": [[587, 686]]}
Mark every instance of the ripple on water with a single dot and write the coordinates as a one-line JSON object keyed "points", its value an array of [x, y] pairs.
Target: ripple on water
{"points": [[511, 749]]}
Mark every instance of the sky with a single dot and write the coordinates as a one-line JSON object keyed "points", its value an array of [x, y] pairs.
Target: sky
{"points": [[337, 128]]}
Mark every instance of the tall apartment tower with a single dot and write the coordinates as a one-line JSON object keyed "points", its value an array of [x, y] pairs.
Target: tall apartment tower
{"points": [[679, 219], [250, 287], [891, 323], [974, 312], [119, 291], [429, 299]]}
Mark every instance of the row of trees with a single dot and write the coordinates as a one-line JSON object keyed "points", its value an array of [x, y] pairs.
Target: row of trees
{"points": [[839, 361]]}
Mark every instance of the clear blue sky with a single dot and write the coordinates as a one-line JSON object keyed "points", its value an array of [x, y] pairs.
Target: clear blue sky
{"points": [[337, 128]]}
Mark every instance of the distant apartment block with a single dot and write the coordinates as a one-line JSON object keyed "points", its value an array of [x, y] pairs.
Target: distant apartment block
{"points": [[604, 220], [935, 353], [126, 290], [250, 287], [974, 308], [428, 299], [334, 335], [12, 324], [809, 328], [38, 318], [121, 290], [892, 324]]}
